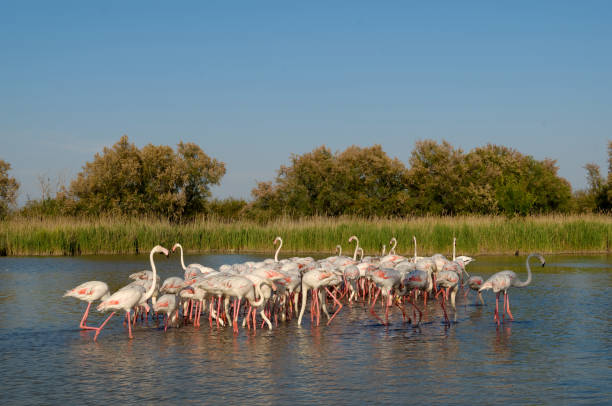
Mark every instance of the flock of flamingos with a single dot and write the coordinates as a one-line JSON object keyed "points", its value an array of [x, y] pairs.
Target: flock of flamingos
{"points": [[272, 289]]}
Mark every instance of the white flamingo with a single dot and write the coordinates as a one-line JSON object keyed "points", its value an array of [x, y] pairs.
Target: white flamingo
{"points": [[192, 270], [168, 305], [89, 292], [280, 241], [126, 299], [504, 280], [393, 244]]}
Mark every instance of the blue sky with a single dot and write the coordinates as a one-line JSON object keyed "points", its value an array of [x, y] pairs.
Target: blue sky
{"points": [[254, 82]]}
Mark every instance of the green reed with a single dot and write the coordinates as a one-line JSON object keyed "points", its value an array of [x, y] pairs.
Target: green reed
{"points": [[476, 235]]}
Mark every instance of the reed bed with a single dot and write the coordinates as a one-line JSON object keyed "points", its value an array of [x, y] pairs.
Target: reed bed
{"points": [[476, 235]]}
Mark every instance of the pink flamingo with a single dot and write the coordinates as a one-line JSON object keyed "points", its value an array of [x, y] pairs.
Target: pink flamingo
{"points": [[474, 283], [89, 292], [503, 280], [192, 270], [126, 299], [167, 304], [316, 279]]}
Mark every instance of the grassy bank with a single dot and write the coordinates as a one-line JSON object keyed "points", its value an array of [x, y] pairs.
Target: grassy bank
{"points": [[475, 235]]}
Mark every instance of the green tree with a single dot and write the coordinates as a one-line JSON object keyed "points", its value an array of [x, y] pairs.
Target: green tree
{"points": [[155, 180], [598, 196], [435, 177], [363, 181], [8, 189]]}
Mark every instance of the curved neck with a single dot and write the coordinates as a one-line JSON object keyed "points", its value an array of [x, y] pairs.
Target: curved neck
{"points": [[360, 253], [383, 250], [356, 249], [392, 249], [339, 249], [149, 292], [278, 249], [258, 292], [526, 282], [182, 261]]}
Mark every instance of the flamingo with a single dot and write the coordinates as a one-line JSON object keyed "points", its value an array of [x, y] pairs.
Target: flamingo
{"points": [[192, 269], [474, 283], [89, 292], [167, 304], [503, 280], [126, 299], [386, 279], [280, 241], [448, 280], [354, 237], [393, 242], [315, 279]]}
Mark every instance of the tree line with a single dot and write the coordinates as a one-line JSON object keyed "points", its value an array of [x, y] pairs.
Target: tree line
{"points": [[158, 181]]}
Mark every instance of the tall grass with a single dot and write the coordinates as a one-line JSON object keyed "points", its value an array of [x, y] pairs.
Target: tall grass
{"points": [[476, 235]]}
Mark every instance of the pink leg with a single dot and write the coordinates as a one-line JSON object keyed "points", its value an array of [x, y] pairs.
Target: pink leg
{"points": [[508, 306], [372, 307], [166, 318], [414, 306], [389, 298], [129, 325], [496, 316], [102, 326], [218, 312], [317, 305], [84, 326], [337, 302], [254, 321], [190, 308], [444, 309]]}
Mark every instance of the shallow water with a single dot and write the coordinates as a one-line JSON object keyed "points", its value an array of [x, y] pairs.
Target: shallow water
{"points": [[558, 349]]}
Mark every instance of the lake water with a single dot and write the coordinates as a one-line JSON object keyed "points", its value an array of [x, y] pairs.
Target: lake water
{"points": [[558, 349]]}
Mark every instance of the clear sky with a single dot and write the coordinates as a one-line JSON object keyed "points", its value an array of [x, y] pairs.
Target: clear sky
{"points": [[252, 82]]}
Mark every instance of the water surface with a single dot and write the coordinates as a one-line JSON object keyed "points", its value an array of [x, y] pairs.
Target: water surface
{"points": [[556, 351]]}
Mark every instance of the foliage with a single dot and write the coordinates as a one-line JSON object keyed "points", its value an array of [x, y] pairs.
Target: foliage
{"points": [[226, 209], [441, 180], [598, 196], [359, 181], [8, 189], [125, 180]]}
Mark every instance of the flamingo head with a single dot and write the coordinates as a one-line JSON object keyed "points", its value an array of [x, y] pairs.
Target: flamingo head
{"points": [[354, 237], [159, 248], [175, 246], [277, 239]]}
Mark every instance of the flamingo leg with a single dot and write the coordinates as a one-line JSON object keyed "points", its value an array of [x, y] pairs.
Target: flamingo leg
{"points": [[218, 312], [414, 306], [129, 325], [337, 302], [318, 305], [496, 316], [82, 325], [102, 326], [444, 309], [508, 306], [254, 321], [210, 312], [372, 307], [236, 307]]}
